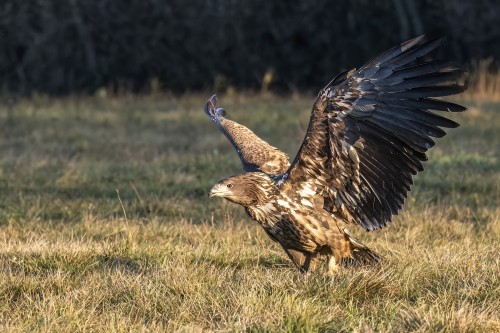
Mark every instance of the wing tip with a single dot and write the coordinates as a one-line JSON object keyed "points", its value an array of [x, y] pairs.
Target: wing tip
{"points": [[412, 42], [214, 99], [211, 107], [422, 39]]}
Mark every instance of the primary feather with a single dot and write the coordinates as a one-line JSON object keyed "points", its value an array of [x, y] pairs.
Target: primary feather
{"points": [[367, 137]]}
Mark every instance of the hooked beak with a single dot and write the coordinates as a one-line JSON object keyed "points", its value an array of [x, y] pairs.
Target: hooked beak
{"points": [[216, 191]]}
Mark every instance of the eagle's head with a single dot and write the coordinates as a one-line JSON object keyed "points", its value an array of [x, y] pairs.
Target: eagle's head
{"points": [[251, 188]]}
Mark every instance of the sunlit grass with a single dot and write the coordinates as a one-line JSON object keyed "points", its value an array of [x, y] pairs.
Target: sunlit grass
{"points": [[71, 261]]}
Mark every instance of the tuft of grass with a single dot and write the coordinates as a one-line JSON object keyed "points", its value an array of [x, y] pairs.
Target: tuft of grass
{"points": [[484, 81], [71, 261]]}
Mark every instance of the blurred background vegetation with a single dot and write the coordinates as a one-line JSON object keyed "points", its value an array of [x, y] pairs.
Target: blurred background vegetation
{"points": [[60, 47], [107, 157]]}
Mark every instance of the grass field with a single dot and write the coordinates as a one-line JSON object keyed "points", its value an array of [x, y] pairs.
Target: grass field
{"points": [[74, 257]]}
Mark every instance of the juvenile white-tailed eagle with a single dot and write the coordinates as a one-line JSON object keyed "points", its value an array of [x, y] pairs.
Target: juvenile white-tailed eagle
{"points": [[367, 137]]}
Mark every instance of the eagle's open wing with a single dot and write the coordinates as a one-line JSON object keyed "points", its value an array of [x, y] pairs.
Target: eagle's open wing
{"points": [[255, 153], [369, 131]]}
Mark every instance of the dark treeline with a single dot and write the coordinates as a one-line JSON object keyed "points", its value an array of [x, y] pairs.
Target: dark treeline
{"points": [[66, 46]]}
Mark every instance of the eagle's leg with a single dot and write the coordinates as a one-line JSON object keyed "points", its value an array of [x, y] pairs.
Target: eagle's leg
{"points": [[304, 261], [331, 265]]}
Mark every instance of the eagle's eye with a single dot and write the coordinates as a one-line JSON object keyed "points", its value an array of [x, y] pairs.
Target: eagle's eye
{"points": [[230, 185]]}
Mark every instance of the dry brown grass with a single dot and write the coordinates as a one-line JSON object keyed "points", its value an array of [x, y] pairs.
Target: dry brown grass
{"points": [[70, 261], [484, 81]]}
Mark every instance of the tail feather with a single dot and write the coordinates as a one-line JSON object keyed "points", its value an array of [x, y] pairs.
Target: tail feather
{"points": [[361, 254]]}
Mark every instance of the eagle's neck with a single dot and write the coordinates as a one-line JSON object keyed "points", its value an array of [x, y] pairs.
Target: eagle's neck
{"points": [[259, 198]]}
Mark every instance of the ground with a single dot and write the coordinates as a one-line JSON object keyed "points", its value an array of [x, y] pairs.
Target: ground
{"points": [[105, 225]]}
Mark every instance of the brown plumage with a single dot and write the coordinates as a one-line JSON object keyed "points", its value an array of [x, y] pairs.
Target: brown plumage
{"points": [[255, 153], [367, 137]]}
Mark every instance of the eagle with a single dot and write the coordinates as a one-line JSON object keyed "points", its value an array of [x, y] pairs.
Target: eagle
{"points": [[368, 134]]}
